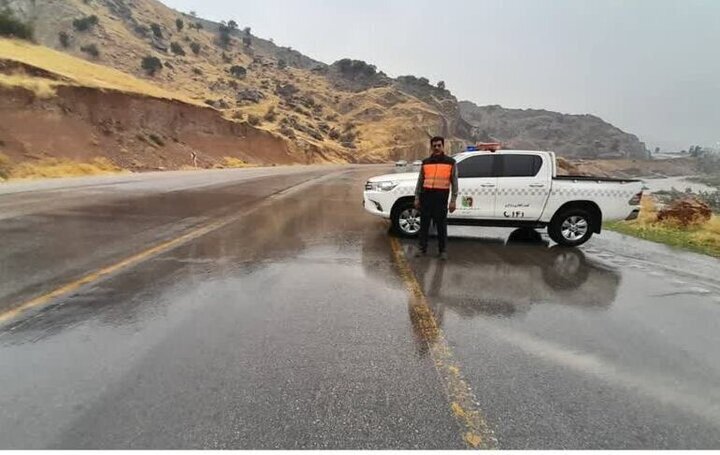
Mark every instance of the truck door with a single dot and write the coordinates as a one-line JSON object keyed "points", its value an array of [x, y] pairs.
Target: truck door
{"points": [[477, 184], [523, 186]]}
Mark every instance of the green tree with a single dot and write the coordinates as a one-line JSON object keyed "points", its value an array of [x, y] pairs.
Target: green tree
{"points": [[157, 31], [15, 28], [441, 85], [177, 49], [224, 37], [179, 24], [238, 71], [195, 47], [151, 65], [64, 39], [86, 23], [91, 49]]}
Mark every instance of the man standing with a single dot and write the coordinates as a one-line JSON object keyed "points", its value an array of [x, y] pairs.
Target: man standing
{"points": [[438, 175]]}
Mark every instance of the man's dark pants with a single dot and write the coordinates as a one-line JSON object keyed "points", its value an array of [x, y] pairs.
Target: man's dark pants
{"points": [[433, 207]]}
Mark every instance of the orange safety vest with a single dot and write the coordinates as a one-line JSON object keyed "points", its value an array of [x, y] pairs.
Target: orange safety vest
{"points": [[437, 176]]}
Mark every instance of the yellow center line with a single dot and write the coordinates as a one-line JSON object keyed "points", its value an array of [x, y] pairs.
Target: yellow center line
{"points": [[463, 404], [163, 247], [123, 264]]}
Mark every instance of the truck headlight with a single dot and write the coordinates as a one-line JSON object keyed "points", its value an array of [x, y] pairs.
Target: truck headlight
{"points": [[380, 186]]}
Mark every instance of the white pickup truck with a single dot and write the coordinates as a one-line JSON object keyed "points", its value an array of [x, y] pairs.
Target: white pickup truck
{"points": [[513, 188]]}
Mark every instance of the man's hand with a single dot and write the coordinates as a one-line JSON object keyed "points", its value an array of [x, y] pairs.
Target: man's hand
{"points": [[452, 206], [417, 203]]}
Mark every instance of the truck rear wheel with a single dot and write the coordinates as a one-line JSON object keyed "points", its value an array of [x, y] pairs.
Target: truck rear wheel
{"points": [[405, 219], [571, 227]]}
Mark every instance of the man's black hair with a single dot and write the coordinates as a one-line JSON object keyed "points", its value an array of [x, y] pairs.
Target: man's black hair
{"points": [[436, 139]]}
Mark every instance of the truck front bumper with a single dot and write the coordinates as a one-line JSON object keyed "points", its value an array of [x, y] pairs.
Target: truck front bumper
{"points": [[378, 203]]}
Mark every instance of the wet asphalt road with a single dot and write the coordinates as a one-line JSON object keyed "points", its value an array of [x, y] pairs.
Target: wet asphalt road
{"points": [[290, 325]]}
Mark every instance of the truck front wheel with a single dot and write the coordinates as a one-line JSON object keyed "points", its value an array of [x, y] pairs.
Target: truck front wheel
{"points": [[405, 219], [571, 227]]}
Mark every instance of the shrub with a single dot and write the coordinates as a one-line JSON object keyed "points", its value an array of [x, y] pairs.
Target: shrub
{"points": [[334, 134], [224, 37], [5, 166], [151, 65], [91, 49], [86, 23], [157, 31], [197, 71], [348, 139], [179, 24], [271, 115], [64, 39], [254, 120], [238, 71], [287, 131], [177, 49], [355, 67], [142, 30], [10, 26], [195, 47], [282, 64], [156, 139]]}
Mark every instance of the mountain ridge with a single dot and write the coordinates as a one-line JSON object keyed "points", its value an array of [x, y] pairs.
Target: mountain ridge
{"points": [[344, 111]]}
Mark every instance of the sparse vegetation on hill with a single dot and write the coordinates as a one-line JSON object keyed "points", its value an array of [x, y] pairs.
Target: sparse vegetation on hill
{"points": [[156, 29], [12, 27], [86, 23], [91, 49], [177, 49], [151, 65], [64, 39]]}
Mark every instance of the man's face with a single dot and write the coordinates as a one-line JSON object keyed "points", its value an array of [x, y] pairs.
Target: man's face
{"points": [[437, 148]]}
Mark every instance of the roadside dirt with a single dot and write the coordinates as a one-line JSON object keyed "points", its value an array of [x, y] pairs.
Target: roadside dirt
{"points": [[133, 131]]}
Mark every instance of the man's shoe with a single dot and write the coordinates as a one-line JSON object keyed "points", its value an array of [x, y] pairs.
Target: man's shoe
{"points": [[420, 253], [443, 256]]}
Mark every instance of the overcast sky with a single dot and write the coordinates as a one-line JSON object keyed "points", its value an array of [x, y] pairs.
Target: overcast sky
{"points": [[650, 67]]}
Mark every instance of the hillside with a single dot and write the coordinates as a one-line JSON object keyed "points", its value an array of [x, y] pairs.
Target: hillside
{"points": [[572, 136], [346, 111], [53, 105]]}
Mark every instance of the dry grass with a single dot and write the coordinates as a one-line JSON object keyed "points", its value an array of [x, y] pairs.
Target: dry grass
{"points": [[5, 166], [43, 88], [79, 71], [702, 238], [232, 162], [56, 168]]}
